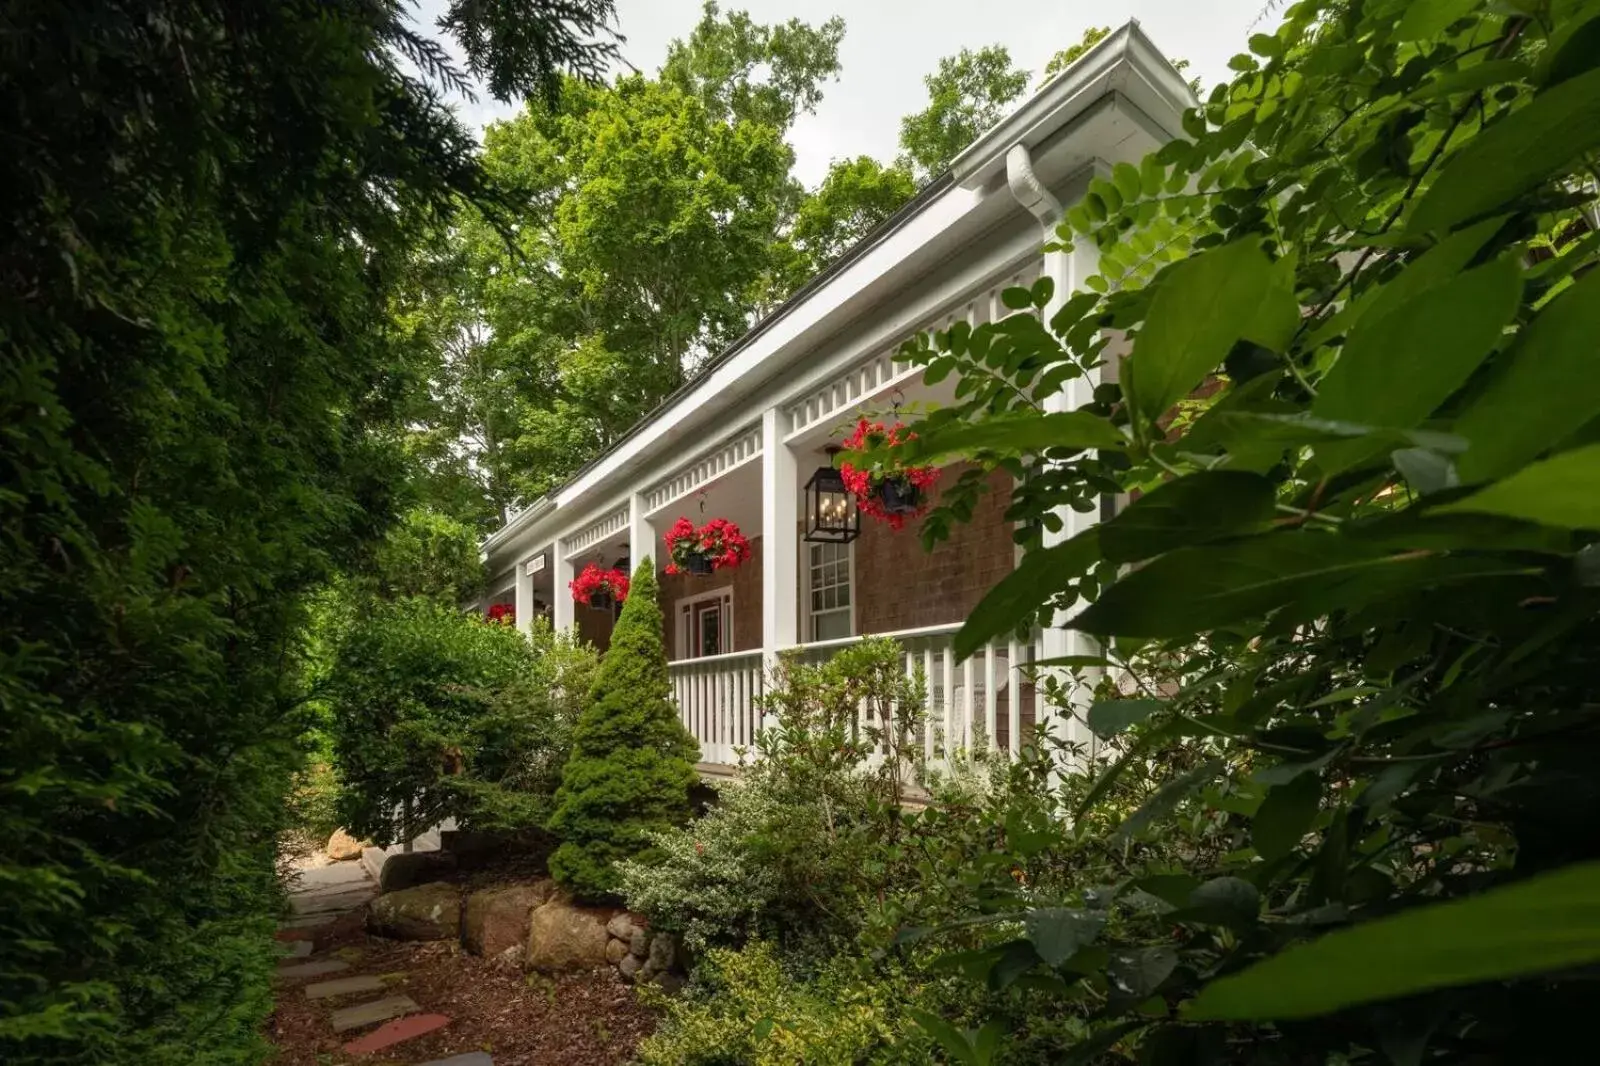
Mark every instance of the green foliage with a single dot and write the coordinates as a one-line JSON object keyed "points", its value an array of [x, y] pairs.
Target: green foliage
{"points": [[632, 762], [1354, 605], [967, 94], [428, 554], [1071, 54], [205, 207], [745, 1007], [785, 853], [438, 714], [855, 196]]}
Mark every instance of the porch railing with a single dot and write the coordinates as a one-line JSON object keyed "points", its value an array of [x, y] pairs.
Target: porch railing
{"points": [[717, 701], [986, 703]]}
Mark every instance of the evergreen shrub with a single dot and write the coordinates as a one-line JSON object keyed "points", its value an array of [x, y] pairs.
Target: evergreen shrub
{"points": [[632, 762]]}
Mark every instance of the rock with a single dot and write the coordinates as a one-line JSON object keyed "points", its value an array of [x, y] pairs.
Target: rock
{"points": [[343, 847], [663, 952], [616, 951], [498, 919], [671, 983], [415, 868], [623, 925], [427, 912], [629, 966], [640, 944], [563, 937]]}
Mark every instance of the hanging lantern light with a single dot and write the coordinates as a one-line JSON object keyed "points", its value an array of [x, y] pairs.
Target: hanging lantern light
{"points": [[831, 513]]}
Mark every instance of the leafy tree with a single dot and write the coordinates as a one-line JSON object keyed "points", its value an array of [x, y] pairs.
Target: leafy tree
{"points": [[428, 554], [1070, 55], [632, 761], [207, 204], [1355, 591], [966, 95], [743, 71], [855, 196], [410, 690]]}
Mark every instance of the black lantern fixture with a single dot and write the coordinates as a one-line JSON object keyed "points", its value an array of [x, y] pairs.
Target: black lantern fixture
{"points": [[831, 513]]}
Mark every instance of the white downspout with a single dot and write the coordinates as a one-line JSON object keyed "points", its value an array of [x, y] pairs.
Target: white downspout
{"points": [[1064, 266]]}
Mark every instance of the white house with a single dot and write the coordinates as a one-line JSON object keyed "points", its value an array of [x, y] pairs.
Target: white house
{"points": [[742, 439]]}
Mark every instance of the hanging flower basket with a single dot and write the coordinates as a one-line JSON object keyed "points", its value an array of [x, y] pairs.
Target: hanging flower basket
{"points": [[717, 545], [504, 614], [600, 589], [887, 490]]}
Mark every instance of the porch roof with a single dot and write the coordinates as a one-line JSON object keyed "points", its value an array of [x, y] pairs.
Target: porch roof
{"points": [[1124, 69]]}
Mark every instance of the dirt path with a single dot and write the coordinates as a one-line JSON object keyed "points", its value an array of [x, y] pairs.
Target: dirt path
{"points": [[348, 997]]}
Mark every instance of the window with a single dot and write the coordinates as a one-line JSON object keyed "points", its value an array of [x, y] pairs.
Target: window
{"points": [[705, 624], [828, 582]]}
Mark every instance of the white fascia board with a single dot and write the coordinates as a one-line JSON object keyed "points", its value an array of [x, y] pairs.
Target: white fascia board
{"points": [[1125, 62]]}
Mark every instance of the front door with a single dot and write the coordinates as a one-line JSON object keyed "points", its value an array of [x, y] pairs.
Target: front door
{"points": [[707, 628]]}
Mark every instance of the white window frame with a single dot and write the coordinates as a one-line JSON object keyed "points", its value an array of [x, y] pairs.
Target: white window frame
{"points": [[682, 639], [805, 598]]}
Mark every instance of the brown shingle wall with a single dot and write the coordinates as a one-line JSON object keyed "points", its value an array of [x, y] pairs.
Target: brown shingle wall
{"points": [[746, 582], [899, 586]]}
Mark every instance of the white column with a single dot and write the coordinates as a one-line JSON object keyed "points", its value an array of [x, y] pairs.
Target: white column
{"points": [[641, 535], [562, 613], [524, 588], [780, 538], [1069, 267]]}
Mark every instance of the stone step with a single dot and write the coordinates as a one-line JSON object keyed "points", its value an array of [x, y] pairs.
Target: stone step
{"points": [[315, 903], [365, 1014], [346, 986], [471, 1058], [397, 1032], [306, 921], [348, 874], [293, 971], [295, 949]]}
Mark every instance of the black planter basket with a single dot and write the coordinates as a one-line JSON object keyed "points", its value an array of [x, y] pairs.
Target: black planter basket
{"points": [[601, 601], [899, 496], [698, 563]]}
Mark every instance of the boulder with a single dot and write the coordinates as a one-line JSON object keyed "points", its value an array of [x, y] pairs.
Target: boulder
{"points": [[623, 925], [409, 869], [663, 952], [629, 966], [671, 983], [640, 943], [343, 847], [564, 937], [426, 912], [498, 918], [616, 951]]}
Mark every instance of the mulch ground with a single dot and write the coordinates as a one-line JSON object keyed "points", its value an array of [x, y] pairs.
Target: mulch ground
{"points": [[520, 1019]]}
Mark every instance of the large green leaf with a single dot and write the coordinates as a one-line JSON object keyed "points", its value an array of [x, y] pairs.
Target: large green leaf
{"points": [[1285, 815], [1514, 155], [1194, 589], [1040, 574], [1058, 932], [1026, 434], [1397, 367], [1562, 491], [1547, 923], [1189, 510], [1200, 308], [1548, 389], [1428, 18], [1107, 718]]}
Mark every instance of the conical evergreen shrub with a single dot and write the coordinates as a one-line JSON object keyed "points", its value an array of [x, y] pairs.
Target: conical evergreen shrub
{"points": [[632, 762]]}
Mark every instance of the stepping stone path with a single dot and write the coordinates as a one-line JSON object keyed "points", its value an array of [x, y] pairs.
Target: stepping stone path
{"points": [[322, 896]]}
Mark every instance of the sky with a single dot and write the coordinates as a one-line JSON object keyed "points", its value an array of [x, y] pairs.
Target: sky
{"points": [[890, 44]]}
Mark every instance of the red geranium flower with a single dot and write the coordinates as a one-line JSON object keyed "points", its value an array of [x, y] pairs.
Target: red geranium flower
{"points": [[502, 614], [594, 580], [719, 540], [864, 483]]}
